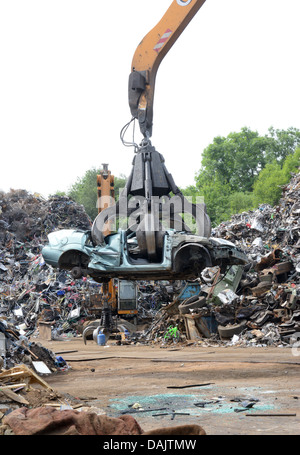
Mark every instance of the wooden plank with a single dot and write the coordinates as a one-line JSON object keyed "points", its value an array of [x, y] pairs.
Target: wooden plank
{"points": [[23, 371], [14, 396], [13, 386], [191, 329]]}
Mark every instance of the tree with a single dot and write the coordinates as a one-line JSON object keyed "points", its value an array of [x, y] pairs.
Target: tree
{"points": [[268, 186], [215, 195], [241, 202], [284, 144], [238, 158], [235, 160], [233, 166], [291, 164]]}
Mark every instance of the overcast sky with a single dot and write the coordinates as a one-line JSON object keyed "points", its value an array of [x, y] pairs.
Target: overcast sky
{"points": [[64, 84]]}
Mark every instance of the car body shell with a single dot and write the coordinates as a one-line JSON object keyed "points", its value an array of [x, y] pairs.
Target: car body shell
{"points": [[183, 255]]}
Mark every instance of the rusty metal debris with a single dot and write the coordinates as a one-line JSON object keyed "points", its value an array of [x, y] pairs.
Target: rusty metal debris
{"points": [[30, 291], [254, 305]]}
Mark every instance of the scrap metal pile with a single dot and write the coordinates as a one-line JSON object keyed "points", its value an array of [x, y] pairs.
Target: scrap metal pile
{"points": [[254, 305], [30, 290]]}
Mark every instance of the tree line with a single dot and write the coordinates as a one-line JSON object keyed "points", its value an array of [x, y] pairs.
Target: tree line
{"points": [[236, 173], [243, 170]]}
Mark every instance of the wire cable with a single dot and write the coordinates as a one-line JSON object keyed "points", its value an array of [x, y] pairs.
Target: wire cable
{"points": [[124, 131]]}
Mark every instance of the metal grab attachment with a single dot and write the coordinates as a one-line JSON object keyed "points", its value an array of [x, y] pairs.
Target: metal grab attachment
{"points": [[147, 194]]}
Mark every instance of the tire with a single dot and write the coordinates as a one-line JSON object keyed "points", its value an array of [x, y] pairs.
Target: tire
{"points": [[192, 303], [230, 330], [76, 273]]}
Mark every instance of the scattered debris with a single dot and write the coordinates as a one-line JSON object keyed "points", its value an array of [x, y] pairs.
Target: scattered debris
{"points": [[271, 415], [188, 386]]}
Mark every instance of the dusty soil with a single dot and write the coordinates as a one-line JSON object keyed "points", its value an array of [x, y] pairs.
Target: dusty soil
{"points": [[207, 386]]}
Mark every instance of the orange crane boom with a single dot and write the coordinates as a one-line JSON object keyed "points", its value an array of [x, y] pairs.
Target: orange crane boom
{"points": [[149, 55]]}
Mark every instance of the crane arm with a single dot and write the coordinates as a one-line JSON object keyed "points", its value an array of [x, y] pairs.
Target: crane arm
{"points": [[149, 55]]}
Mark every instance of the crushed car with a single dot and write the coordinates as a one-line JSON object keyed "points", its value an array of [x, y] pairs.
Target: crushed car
{"points": [[181, 255]]}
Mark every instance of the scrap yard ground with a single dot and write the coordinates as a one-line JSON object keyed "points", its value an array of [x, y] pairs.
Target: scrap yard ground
{"points": [[227, 390]]}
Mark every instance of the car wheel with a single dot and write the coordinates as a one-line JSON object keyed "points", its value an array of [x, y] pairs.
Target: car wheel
{"points": [[76, 272]]}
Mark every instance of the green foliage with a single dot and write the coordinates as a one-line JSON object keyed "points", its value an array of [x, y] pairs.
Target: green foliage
{"points": [[216, 197], [268, 186], [291, 164], [243, 170], [84, 191], [235, 160], [241, 202], [238, 158], [284, 144]]}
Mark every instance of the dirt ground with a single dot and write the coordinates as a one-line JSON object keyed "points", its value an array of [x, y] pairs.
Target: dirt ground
{"points": [[227, 390]]}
